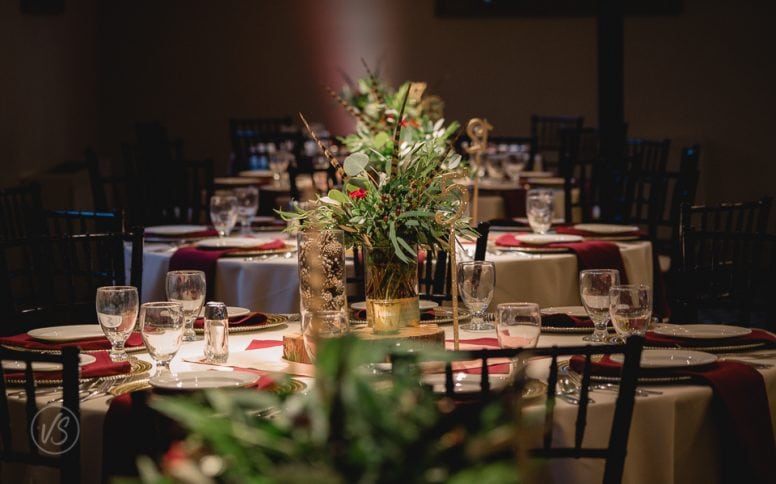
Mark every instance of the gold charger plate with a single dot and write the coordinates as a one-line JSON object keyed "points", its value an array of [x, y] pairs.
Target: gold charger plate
{"points": [[532, 250], [137, 367], [656, 380], [128, 349], [273, 321], [290, 385], [712, 348]]}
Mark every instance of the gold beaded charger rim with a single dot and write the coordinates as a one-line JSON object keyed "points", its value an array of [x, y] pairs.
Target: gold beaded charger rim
{"points": [[566, 329], [137, 367], [712, 348], [643, 380], [533, 250], [273, 321], [128, 349], [290, 385], [259, 252]]}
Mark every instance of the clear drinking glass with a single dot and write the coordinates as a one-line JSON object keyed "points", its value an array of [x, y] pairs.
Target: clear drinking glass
{"points": [[539, 207], [247, 205], [630, 307], [161, 324], [518, 325], [322, 324], [594, 285], [117, 308], [476, 281], [189, 289], [223, 213]]}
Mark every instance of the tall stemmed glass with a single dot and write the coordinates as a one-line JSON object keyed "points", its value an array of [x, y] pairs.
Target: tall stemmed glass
{"points": [[476, 281], [223, 213], [117, 308], [247, 205], [189, 289], [630, 307], [594, 285], [539, 207], [161, 324]]}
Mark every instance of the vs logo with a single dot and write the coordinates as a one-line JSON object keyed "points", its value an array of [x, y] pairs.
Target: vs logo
{"points": [[59, 430]]}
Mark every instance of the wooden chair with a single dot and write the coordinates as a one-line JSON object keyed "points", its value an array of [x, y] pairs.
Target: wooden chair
{"points": [[649, 156], [545, 136], [579, 160], [49, 280], [20, 210], [720, 259], [39, 451], [615, 452]]}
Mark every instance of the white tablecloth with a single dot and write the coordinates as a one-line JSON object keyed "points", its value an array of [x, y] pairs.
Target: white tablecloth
{"points": [[272, 285], [673, 436]]}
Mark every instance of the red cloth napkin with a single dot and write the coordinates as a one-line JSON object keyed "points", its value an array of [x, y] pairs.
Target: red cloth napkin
{"points": [[591, 254], [104, 366], [560, 320], [259, 344], [485, 343], [194, 258], [249, 319], [569, 230], [188, 235], [90, 344], [741, 408], [756, 336]]}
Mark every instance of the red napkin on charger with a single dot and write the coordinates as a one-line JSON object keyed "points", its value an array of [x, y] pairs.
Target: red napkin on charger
{"points": [[560, 320], [199, 259], [591, 254], [484, 343], [741, 408], [249, 319], [90, 344], [104, 366]]}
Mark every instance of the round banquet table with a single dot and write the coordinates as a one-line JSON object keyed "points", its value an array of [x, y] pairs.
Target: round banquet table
{"points": [[272, 284], [673, 437]]}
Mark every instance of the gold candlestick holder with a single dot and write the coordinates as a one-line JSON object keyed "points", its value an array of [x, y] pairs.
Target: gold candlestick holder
{"points": [[477, 129]]}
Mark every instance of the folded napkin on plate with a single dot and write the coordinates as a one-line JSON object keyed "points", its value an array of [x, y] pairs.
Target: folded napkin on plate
{"points": [[247, 320], [90, 344], [568, 230], [104, 366], [741, 407], [189, 235], [496, 365], [756, 336], [560, 320], [591, 254]]}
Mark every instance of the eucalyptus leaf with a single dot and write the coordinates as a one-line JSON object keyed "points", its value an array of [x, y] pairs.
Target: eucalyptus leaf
{"points": [[338, 196], [380, 139], [355, 164]]}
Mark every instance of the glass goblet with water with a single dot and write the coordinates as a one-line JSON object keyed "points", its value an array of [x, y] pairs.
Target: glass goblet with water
{"points": [[247, 205], [476, 282], [223, 213], [594, 285], [317, 325], [117, 308], [539, 207], [189, 289], [518, 325], [161, 325], [630, 307]]}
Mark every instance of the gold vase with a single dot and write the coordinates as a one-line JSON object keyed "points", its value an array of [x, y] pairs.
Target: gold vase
{"points": [[391, 290]]}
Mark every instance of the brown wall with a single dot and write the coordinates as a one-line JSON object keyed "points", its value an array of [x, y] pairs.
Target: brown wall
{"points": [[704, 76]]}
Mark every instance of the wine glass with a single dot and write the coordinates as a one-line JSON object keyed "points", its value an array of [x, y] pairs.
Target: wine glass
{"points": [[223, 213], [322, 324], [247, 205], [539, 207], [594, 285], [187, 288], [117, 308], [518, 325], [161, 324], [630, 307], [476, 281]]}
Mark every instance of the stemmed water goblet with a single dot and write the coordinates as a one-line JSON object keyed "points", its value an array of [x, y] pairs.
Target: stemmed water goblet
{"points": [[247, 205], [117, 308], [223, 213], [539, 207], [594, 285], [187, 288], [630, 307], [476, 282], [161, 325], [317, 325]]}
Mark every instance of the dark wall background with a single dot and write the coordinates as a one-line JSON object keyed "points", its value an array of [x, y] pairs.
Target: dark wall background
{"points": [[82, 78]]}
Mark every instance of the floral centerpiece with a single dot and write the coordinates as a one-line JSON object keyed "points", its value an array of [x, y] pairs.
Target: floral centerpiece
{"points": [[395, 194]]}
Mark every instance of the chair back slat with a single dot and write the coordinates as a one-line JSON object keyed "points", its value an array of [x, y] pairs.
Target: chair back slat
{"points": [[549, 407]]}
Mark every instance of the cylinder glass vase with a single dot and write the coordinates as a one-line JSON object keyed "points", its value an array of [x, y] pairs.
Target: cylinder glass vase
{"points": [[391, 290], [322, 285]]}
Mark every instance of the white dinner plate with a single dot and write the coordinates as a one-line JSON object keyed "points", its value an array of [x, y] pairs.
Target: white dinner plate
{"points": [[231, 312], [172, 230], [424, 304], [606, 228], [232, 243], [196, 380], [701, 331], [464, 382], [576, 311], [17, 365], [61, 334], [671, 358], [548, 180], [539, 239]]}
